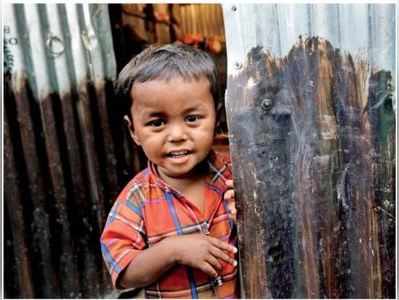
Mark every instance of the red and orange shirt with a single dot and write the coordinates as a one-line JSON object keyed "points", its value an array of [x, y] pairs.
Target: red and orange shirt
{"points": [[148, 210]]}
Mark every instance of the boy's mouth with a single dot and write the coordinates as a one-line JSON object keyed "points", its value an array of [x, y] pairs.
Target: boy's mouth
{"points": [[176, 154]]}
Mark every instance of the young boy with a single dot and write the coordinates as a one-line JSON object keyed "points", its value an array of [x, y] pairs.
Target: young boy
{"points": [[171, 228]]}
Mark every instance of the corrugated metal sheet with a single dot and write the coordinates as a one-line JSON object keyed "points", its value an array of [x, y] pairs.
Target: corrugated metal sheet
{"points": [[63, 37], [366, 30], [312, 139], [65, 158]]}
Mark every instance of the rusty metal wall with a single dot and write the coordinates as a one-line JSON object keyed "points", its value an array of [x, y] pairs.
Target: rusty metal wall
{"points": [[310, 105], [364, 30], [65, 156]]}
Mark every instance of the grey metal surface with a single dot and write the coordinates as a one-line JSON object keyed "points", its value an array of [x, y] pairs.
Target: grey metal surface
{"points": [[61, 151], [364, 30], [59, 45]]}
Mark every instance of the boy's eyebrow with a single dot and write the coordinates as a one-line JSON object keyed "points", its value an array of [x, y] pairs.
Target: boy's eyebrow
{"points": [[155, 114], [162, 114], [190, 109]]}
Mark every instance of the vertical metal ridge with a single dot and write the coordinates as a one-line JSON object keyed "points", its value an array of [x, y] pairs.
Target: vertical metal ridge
{"points": [[361, 29], [59, 66]]}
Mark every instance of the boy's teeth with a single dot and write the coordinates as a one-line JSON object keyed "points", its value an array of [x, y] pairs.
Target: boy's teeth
{"points": [[178, 153]]}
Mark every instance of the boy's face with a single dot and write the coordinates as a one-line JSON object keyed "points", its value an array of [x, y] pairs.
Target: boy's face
{"points": [[174, 123]]}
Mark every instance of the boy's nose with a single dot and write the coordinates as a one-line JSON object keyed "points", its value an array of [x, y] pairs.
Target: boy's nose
{"points": [[176, 134]]}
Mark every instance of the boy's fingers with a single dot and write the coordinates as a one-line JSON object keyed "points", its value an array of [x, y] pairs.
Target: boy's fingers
{"points": [[229, 183], [229, 197], [214, 262], [229, 194], [222, 255], [231, 205], [233, 214], [232, 209], [208, 269], [222, 245]]}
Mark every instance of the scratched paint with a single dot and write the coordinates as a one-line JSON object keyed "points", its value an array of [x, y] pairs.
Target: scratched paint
{"points": [[315, 132]]}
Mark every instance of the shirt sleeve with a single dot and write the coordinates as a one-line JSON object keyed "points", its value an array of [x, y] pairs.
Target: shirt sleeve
{"points": [[123, 237]]}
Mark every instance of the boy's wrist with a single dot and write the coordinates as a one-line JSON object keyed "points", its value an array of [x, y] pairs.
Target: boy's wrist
{"points": [[169, 244]]}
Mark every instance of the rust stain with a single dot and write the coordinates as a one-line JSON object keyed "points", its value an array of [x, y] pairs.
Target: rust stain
{"points": [[327, 129], [14, 210], [65, 163]]}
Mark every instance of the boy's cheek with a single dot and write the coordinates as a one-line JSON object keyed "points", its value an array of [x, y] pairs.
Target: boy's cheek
{"points": [[149, 140]]}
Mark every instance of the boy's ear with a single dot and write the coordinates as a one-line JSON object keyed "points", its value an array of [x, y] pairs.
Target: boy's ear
{"points": [[130, 127]]}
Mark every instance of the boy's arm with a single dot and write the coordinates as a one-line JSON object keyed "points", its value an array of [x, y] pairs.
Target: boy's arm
{"points": [[195, 250]]}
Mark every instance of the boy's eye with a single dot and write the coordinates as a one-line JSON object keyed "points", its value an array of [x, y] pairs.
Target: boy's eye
{"points": [[192, 118], [156, 123]]}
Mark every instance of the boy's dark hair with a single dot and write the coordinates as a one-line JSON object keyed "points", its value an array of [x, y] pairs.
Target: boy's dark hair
{"points": [[165, 62]]}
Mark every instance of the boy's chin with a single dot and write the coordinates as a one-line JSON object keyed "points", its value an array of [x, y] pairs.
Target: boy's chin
{"points": [[180, 174], [184, 173]]}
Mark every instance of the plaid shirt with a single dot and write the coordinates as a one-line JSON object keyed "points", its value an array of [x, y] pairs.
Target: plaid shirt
{"points": [[133, 224]]}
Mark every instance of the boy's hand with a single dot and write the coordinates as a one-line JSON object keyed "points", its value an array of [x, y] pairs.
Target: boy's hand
{"points": [[202, 252], [229, 198]]}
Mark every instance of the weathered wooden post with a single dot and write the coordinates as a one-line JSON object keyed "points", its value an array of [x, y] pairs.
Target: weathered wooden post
{"points": [[312, 136]]}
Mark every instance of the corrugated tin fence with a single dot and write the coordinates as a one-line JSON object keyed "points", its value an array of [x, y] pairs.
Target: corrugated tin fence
{"points": [[367, 30], [65, 157], [312, 130]]}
